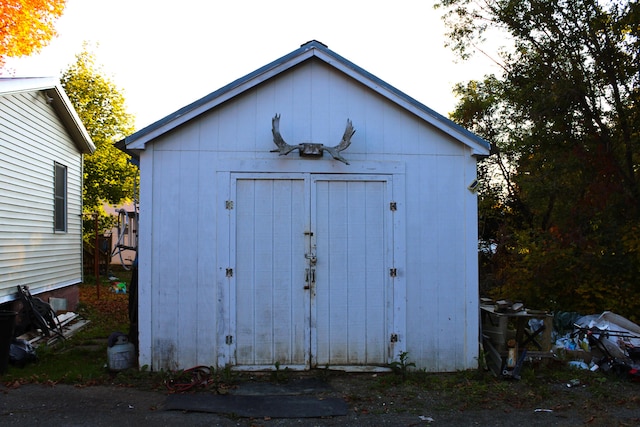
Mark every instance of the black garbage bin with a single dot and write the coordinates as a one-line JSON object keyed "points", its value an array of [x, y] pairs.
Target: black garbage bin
{"points": [[7, 325]]}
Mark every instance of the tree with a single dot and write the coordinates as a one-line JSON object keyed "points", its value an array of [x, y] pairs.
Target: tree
{"points": [[109, 175], [26, 26], [564, 118]]}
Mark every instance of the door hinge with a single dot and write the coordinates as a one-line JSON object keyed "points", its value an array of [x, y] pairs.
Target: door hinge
{"points": [[393, 272], [393, 206], [228, 339], [229, 272], [394, 338], [228, 204]]}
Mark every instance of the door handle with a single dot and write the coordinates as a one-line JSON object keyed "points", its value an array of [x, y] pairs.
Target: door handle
{"points": [[309, 277]]}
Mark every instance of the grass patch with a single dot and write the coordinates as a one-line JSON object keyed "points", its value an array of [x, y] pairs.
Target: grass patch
{"points": [[553, 385]]}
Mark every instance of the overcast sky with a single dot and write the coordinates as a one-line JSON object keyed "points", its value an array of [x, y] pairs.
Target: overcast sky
{"points": [[165, 54]]}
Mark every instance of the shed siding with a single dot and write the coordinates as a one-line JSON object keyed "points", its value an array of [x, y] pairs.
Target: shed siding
{"points": [[183, 221], [32, 139], [440, 290], [185, 294]]}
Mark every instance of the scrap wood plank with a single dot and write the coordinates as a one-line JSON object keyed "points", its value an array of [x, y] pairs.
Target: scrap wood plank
{"points": [[70, 323], [68, 331]]}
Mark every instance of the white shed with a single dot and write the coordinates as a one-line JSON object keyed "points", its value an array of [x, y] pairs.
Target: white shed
{"points": [[42, 143], [316, 253]]}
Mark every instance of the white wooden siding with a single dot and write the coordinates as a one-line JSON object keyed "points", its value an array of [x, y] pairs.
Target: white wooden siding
{"points": [[32, 138], [438, 239], [179, 319], [184, 315]]}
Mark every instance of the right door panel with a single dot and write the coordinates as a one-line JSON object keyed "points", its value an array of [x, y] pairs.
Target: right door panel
{"points": [[351, 299]]}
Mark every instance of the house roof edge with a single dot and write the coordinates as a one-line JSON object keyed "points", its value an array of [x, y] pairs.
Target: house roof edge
{"points": [[60, 102]]}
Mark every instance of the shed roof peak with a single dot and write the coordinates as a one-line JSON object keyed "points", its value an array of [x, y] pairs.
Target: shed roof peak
{"points": [[314, 42], [310, 49]]}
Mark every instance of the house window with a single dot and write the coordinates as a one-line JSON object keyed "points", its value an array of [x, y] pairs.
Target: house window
{"points": [[60, 197]]}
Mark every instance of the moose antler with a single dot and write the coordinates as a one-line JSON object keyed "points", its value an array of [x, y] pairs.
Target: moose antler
{"points": [[310, 149], [283, 147], [344, 143]]}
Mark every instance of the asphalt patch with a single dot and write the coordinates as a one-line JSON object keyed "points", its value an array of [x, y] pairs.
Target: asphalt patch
{"points": [[293, 399], [253, 406], [309, 386]]}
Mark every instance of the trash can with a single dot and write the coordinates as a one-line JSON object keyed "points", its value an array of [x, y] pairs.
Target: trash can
{"points": [[7, 325]]}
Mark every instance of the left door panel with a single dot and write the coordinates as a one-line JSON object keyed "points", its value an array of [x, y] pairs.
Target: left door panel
{"points": [[271, 304]]}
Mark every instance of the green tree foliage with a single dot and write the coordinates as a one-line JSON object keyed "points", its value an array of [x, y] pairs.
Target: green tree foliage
{"points": [[109, 177], [561, 199]]}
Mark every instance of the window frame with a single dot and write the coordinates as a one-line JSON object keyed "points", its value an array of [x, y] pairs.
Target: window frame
{"points": [[60, 223]]}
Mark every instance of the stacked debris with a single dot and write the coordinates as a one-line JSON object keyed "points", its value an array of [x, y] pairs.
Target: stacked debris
{"points": [[608, 342], [39, 324], [37, 314], [513, 334]]}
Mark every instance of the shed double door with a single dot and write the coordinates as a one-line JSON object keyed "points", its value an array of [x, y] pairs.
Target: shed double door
{"points": [[311, 283]]}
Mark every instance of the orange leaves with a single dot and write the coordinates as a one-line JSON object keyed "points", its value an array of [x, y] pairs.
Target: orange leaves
{"points": [[26, 26], [108, 305]]}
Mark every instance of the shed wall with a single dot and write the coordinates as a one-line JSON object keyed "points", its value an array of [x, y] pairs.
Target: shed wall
{"points": [[184, 293], [32, 138]]}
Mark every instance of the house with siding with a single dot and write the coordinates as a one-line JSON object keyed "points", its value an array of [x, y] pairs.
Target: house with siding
{"points": [[307, 215], [42, 143]]}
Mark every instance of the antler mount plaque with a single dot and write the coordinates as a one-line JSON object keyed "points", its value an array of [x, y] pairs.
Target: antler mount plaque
{"points": [[309, 149]]}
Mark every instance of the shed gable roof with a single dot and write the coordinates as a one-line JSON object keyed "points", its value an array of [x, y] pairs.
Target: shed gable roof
{"points": [[60, 103], [312, 49]]}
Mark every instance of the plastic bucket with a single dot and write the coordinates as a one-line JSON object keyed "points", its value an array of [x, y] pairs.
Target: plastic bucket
{"points": [[121, 356], [7, 326]]}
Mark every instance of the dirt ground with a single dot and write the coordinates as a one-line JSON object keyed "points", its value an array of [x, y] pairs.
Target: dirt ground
{"points": [[460, 399]]}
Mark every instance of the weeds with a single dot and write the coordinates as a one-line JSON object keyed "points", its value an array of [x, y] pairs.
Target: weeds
{"points": [[227, 375], [402, 366], [280, 375], [482, 360]]}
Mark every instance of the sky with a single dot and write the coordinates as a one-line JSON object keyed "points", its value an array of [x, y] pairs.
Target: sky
{"points": [[163, 55]]}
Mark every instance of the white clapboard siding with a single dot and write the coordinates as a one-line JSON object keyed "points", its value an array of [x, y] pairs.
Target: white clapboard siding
{"points": [[32, 139]]}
